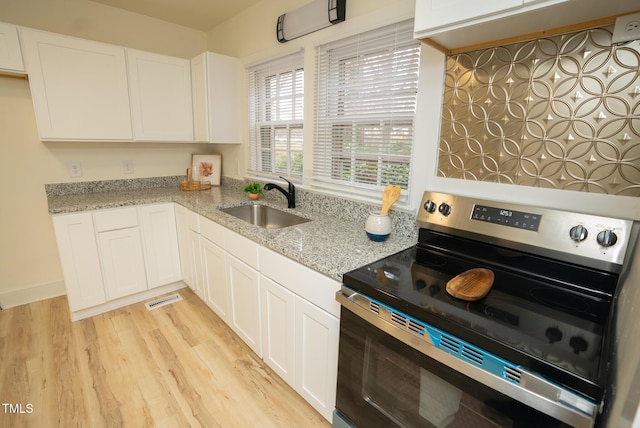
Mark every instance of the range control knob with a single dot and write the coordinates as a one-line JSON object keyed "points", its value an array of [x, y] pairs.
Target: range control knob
{"points": [[554, 334], [607, 238], [444, 209], [578, 233], [430, 206], [578, 344]]}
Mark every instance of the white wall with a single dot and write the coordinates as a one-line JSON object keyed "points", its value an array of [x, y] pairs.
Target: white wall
{"points": [[29, 265]]}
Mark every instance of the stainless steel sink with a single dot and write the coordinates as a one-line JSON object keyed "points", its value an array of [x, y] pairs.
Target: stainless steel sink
{"points": [[264, 216]]}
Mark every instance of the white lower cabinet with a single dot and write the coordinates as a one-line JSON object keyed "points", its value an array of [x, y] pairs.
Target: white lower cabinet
{"points": [[184, 247], [214, 277], [244, 289], [160, 242], [115, 257], [316, 351], [122, 262], [278, 329], [285, 312], [79, 258], [300, 328], [193, 242]]}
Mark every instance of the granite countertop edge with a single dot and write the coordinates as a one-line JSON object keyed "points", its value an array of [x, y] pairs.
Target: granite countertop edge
{"points": [[326, 244]]}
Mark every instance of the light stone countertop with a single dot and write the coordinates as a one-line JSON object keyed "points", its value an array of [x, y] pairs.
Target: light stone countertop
{"points": [[327, 244]]}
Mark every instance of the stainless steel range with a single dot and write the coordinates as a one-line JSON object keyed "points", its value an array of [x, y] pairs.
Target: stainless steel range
{"points": [[533, 352]]}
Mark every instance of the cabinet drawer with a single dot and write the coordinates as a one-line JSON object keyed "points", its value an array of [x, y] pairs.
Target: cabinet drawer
{"points": [[306, 283], [193, 221], [241, 247], [212, 231], [120, 218]]}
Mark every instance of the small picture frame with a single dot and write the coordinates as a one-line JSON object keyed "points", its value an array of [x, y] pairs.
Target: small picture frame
{"points": [[206, 168]]}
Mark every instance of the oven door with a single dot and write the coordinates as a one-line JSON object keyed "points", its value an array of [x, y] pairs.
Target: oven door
{"points": [[385, 382]]}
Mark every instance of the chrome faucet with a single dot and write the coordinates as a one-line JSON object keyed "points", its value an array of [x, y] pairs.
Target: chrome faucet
{"points": [[290, 195]]}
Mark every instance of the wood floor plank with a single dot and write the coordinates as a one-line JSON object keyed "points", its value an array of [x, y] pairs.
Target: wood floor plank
{"points": [[175, 366]]}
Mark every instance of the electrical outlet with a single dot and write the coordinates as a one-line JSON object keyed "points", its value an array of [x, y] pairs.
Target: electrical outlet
{"points": [[75, 169], [627, 28], [127, 166]]}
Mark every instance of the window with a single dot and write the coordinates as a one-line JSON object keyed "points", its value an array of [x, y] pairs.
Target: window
{"points": [[367, 92], [276, 102]]}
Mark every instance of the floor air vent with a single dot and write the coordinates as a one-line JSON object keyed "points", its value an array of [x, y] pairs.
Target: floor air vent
{"points": [[166, 300]]}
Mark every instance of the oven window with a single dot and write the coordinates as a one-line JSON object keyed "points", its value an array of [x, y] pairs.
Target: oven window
{"points": [[384, 383], [411, 396]]}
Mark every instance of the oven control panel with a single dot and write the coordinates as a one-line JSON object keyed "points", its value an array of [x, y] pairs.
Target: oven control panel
{"points": [[574, 236]]}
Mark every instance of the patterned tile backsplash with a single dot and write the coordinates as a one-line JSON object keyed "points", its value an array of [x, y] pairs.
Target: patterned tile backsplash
{"points": [[561, 112]]}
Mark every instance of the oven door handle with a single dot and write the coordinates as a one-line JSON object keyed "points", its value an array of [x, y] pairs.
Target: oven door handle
{"points": [[523, 386]]}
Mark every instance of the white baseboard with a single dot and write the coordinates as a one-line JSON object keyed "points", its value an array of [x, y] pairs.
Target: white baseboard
{"points": [[126, 301], [34, 293]]}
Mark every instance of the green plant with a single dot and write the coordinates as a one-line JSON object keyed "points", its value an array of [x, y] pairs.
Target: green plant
{"points": [[254, 188]]}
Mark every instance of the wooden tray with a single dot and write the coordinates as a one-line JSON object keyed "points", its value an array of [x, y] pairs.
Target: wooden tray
{"points": [[194, 185], [471, 285]]}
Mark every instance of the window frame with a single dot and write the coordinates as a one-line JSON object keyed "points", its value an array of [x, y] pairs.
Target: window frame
{"points": [[265, 117], [325, 155]]}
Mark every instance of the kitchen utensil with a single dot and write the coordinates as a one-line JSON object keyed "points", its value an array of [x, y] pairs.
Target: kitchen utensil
{"points": [[389, 196], [471, 285]]}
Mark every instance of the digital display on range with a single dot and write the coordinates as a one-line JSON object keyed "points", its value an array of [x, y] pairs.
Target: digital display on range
{"points": [[517, 219]]}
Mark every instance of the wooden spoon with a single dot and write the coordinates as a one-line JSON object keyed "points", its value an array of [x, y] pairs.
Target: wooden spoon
{"points": [[389, 196], [471, 285]]}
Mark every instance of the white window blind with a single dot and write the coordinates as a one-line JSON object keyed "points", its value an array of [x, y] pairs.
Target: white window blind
{"points": [[276, 101], [366, 103]]}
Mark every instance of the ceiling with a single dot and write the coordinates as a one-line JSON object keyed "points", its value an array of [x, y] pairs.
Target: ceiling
{"points": [[200, 15]]}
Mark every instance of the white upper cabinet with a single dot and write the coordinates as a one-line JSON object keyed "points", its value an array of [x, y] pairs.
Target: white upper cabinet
{"points": [[79, 87], [10, 55], [161, 100], [461, 23], [433, 14], [216, 98]]}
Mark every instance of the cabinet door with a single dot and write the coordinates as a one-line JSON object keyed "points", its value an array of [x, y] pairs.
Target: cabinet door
{"points": [[79, 259], [122, 262], [10, 54], [278, 329], [196, 264], [79, 87], [186, 257], [160, 97], [216, 98], [432, 14], [316, 356], [160, 241], [214, 279], [244, 286]]}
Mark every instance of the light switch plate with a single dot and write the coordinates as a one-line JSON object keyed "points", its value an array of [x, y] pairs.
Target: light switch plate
{"points": [[627, 28]]}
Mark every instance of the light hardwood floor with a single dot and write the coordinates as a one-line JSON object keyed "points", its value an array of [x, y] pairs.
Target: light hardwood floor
{"points": [[175, 366]]}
